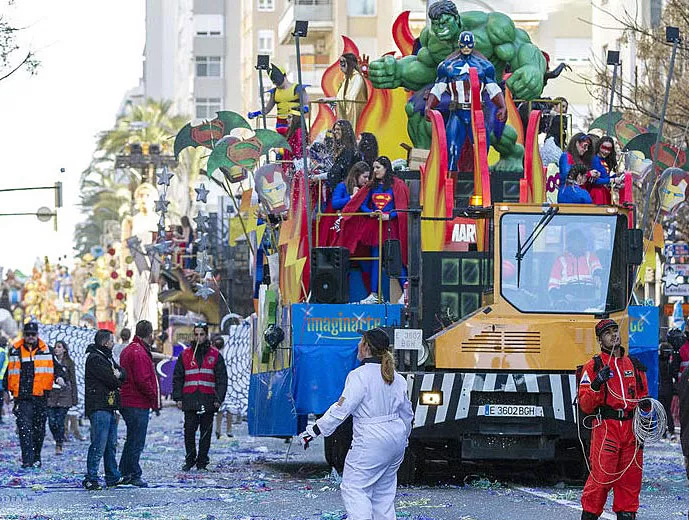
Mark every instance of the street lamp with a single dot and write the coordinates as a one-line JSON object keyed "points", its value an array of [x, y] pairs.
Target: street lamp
{"points": [[671, 36], [614, 60], [301, 28], [262, 63]]}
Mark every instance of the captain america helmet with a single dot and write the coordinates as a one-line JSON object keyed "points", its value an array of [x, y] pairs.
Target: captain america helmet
{"points": [[466, 40]]}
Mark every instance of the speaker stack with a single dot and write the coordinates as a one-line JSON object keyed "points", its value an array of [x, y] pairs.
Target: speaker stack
{"points": [[329, 270]]}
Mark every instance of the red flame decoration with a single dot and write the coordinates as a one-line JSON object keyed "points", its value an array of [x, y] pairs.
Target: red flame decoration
{"points": [[401, 33], [330, 84]]}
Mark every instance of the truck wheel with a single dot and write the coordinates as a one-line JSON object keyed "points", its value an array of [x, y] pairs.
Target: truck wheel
{"points": [[409, 471], [337, 445]]}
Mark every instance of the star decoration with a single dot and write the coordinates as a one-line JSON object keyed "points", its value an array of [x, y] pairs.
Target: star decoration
{"points": [[201, 193], [671, 278], [202, 241], [162, 247], [202, 265], [201, 222], [203, 291], [162, 204], [134, 243], [164, 177], [464, 69]]}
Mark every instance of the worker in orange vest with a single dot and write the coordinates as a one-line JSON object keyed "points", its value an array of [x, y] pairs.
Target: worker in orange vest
{"points": [[29, 378]]}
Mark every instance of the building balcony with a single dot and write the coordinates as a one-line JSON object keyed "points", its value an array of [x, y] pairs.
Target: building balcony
{"points": [[319, 14]]}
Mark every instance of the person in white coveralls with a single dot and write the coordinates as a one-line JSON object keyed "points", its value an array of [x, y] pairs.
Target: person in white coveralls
{"points": [[376, 397]]}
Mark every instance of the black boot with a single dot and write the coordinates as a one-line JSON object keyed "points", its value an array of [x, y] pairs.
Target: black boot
{"points": [[585, 515], [626, 515]]}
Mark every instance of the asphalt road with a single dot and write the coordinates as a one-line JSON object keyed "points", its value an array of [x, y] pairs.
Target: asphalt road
{"points": [[261, 478]]}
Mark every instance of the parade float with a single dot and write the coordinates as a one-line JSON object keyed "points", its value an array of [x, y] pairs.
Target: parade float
{"points": [[488, 349]]}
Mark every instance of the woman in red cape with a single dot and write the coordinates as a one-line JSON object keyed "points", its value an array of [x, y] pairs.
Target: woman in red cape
{"points": [[386, 195]]}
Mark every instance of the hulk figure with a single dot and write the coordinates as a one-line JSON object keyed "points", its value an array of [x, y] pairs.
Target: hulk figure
{"points": [[496, 38]]}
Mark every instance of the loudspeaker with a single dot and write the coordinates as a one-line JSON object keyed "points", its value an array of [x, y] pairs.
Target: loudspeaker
{"points": [[392, 257], [329, 270]]}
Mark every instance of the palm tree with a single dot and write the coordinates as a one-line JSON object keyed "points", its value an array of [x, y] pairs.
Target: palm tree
{"points": [[107, 191]]}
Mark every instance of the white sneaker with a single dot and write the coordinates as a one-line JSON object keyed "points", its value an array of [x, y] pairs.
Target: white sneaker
{"points": [[371, 298]]}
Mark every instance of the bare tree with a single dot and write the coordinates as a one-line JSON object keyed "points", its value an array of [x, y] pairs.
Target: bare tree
{"points": [[640, 97], [12, 56]]}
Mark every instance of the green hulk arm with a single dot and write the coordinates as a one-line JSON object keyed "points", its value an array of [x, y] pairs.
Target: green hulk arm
{"points": [[528, 69], [410, 72], [501, 42]]}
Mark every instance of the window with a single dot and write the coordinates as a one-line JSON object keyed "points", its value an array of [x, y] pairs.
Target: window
{"points": [[265, 42], [208, 24], [361, 7], [207, 107], [572, 50], [414, 5], [208, 66], [266, 5], [574, 264]]}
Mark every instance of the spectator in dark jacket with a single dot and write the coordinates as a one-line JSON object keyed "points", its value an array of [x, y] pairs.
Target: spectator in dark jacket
{"points": [[63, 395], [684, 417], [199, 384], [103, 379], [140, 393], [666, 384]]}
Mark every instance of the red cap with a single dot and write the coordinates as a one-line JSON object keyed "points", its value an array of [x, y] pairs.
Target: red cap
{"points": [[604, 325]]}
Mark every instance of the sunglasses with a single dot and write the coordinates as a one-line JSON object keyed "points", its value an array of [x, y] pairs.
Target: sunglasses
{"points": [[31, 334], [607, 148]]}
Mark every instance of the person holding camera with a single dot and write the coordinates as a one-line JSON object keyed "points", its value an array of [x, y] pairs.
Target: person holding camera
{"points": [[199, 384], [103, 378]]}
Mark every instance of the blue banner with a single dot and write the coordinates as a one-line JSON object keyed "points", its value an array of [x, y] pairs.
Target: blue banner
{"points": [[324, 339], [337, 324], [271, 407], [644, 328]]}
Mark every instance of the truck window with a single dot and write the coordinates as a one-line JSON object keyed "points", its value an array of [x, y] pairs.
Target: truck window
{"points": [[574, 265]]}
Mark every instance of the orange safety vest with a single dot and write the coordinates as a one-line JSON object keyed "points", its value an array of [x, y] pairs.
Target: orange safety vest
{"points": [[42, 360], [199, 378]]}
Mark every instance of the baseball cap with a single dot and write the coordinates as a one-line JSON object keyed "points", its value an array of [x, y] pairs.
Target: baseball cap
{"points": [[31, 326], [604, 325], [377, 338]]}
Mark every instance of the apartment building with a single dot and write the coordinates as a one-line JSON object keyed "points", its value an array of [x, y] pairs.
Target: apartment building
{"points": [[202, 53], [191, 55]]}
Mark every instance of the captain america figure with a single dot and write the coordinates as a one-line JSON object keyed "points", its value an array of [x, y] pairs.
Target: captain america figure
{"points": [[453, 78]]}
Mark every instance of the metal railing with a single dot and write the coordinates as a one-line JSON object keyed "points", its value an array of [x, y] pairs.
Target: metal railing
{"points": [[339, 214]]}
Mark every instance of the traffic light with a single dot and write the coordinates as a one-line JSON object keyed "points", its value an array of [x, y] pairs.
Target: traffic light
{"points": [[58, 194]]}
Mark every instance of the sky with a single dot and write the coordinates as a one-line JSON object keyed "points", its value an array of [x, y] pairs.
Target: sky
{"points": [[91, 54]]}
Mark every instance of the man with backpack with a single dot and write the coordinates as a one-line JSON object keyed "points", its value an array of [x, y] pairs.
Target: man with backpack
{"points": [[610, 387]]}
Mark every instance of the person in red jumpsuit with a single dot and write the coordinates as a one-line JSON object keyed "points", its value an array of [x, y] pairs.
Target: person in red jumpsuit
{"points": [[611, 385]]}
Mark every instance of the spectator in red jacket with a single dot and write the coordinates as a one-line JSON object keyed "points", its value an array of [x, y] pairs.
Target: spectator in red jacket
{"points": [[139, 395]]}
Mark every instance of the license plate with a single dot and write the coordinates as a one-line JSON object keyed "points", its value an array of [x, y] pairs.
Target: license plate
{"points": [[510, 410]]}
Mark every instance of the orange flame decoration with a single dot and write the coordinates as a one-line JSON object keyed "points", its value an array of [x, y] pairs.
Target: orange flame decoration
{"points": [[513, 118], [433, 196], [330, 84], [533, 166], [294, 270], [402, 34], [481, 172], [385, 117]]}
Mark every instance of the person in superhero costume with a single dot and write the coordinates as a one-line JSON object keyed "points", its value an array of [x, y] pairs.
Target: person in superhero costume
{"points": [[385, 195], [453, 77], [285, 95], [611, 386]]}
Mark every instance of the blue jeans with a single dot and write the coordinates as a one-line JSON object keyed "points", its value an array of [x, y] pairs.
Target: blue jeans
{"points": [[103, 441], [56, 422], [136, 420]]}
